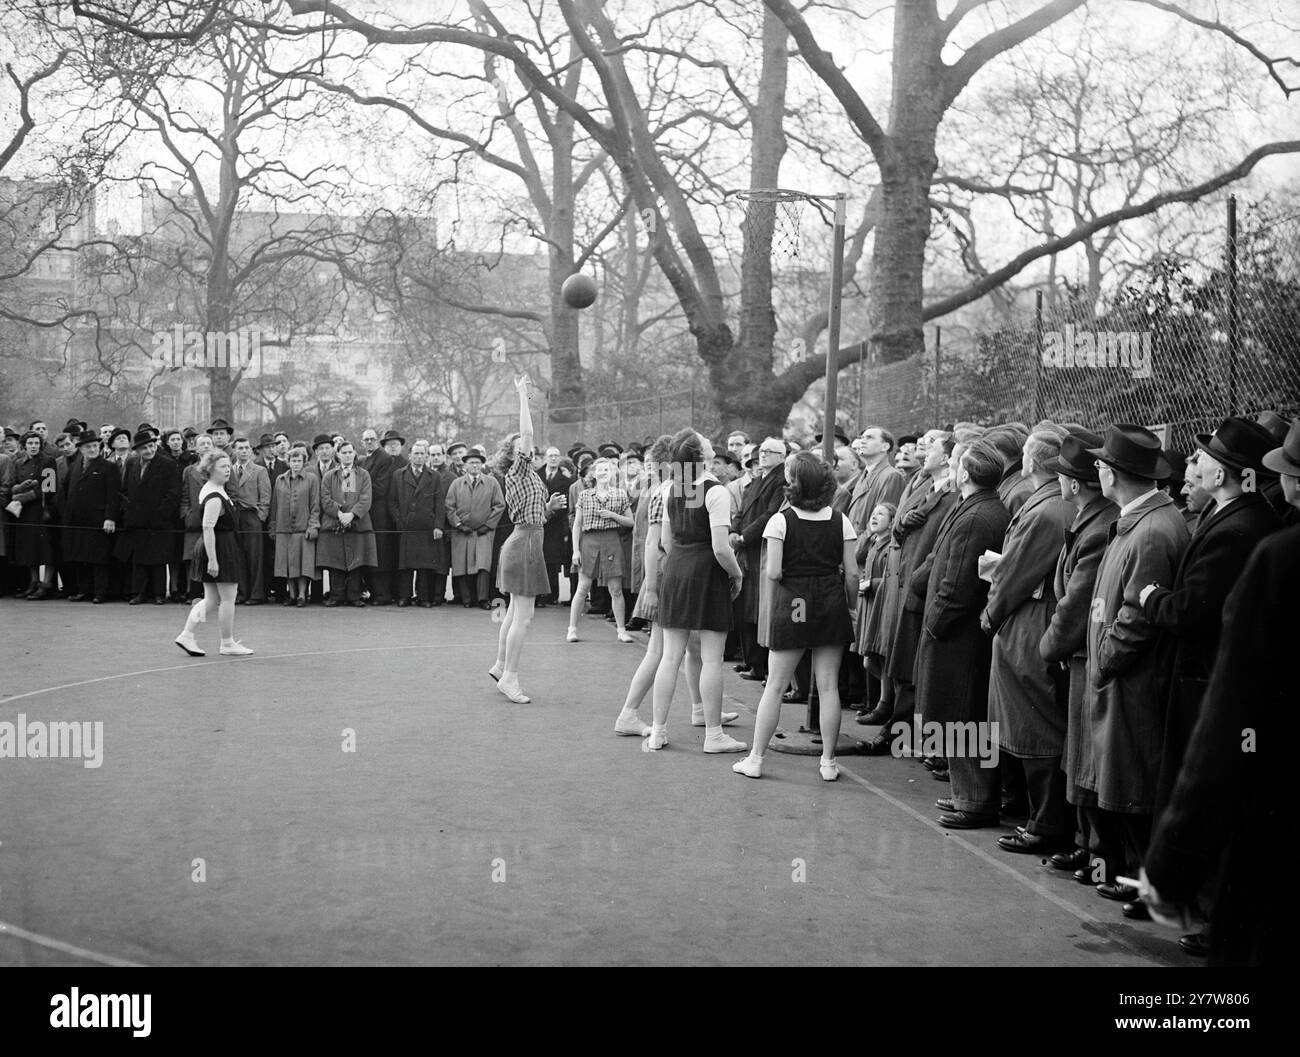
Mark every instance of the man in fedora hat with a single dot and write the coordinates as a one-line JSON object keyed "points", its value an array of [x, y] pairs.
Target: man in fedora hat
{"points": [[1225, 812], [1065, 642], [267, 457], [1190, 609], [151, 497], [220, 432], [1128, 669], [1277, 428], [392, 442], [249, 488]]}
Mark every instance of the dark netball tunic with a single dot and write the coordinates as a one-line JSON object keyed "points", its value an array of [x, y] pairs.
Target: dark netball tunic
{"points": [[809, 605], [228, 553], [694, 591]]}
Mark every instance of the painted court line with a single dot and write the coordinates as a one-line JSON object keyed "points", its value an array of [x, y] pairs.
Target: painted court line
{"points": [[256, 657], [6, 929], [1028, 882]]}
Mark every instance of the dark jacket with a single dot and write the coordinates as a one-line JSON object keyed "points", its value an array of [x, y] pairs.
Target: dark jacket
{"points": [[952, 660], [151, 497], [761, 500], [1192, 612], [92, 495], [909, 547], [416, 506], [1229, 794], [1128, 664], [557, 544]]}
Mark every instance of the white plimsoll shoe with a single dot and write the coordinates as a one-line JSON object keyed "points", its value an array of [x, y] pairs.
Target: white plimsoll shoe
{"points": [[624, 636], [724, 743], [654, 741], [187, 643], [514, 693], [697, 718], [749, 767], [495, 673], [829, 771], [571, 635], [235, 649], [631, 727]]}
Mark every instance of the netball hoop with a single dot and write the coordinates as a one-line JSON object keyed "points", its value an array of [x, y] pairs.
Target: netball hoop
{"points": [[771, 224]]}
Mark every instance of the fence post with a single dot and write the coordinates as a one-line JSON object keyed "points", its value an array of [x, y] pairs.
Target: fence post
{"points": [[660, 431], [1038, 356], [1234, 335], [935, 421]]}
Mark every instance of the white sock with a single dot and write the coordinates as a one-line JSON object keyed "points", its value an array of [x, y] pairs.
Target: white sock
{"points": [[659, 728], [713, 732], [828, 763], [757, 757]]}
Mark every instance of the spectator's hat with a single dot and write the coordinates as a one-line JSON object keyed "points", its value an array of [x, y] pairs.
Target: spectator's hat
{"points": [[839, 435], [727, 457], [610, 450], [475, 453], [1238, 443], [320, 438], [392, 434], [1275, 424], [142, 437], [121, 431], [1286, 459], [189, 432], [86, 436], [219, 423], [148, 426], [578, 448], [907, 438], [456, 445], [265, 441], [11, 432], [73, 426], [1133, 449], [1177, 466]]}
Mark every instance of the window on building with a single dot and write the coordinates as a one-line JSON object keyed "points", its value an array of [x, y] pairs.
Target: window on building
{"points": [[202, 407], [166, 409]]}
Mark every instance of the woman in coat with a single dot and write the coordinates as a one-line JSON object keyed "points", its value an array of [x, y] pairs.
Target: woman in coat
{"points": [[34, 491], [90, 506], [295, 525], [952, 660], [418, 510], [1027, 699], [346, 544]]}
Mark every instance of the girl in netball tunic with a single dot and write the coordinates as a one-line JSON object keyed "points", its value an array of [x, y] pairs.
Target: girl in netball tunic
{"points": [[597, 550], [629, 723], [521, 568], [216, 561], [810, 559], [699, 582]]}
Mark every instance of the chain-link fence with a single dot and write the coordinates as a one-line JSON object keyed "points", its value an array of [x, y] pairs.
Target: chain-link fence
{"points": [[1182, 347]]}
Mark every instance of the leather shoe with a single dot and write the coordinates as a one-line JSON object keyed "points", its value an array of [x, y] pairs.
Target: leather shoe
{"points": [[359, 604], [160, 601], [1135, 911], [253, 602], [1119, 893], [875, 747], [136, 600], [965, 820], [944, 803], [934, 763], [76, 598], [330, 603], [1084, 876], [876, 717], [1028, 843], [741, 668], [752, 676], [940, 776], [1069, 860], [793, 697], [98, 600], [1196, 944]]}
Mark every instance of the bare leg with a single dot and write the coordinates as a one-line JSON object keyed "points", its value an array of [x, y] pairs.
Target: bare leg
{"points": [[618, 603], [826, 668], [666, 674], [225, 609], [518, 617], [499, 666], [712, 644], [579, 597], [780, 667], [693, 666], [644, 676]]}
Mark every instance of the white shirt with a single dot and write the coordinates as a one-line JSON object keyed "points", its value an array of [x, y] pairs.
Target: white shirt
{"points": [[1134, 504], [717, 501], [775, 529]]}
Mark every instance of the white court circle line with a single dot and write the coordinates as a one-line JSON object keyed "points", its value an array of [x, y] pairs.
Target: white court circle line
{"points": [[8, 929]]}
